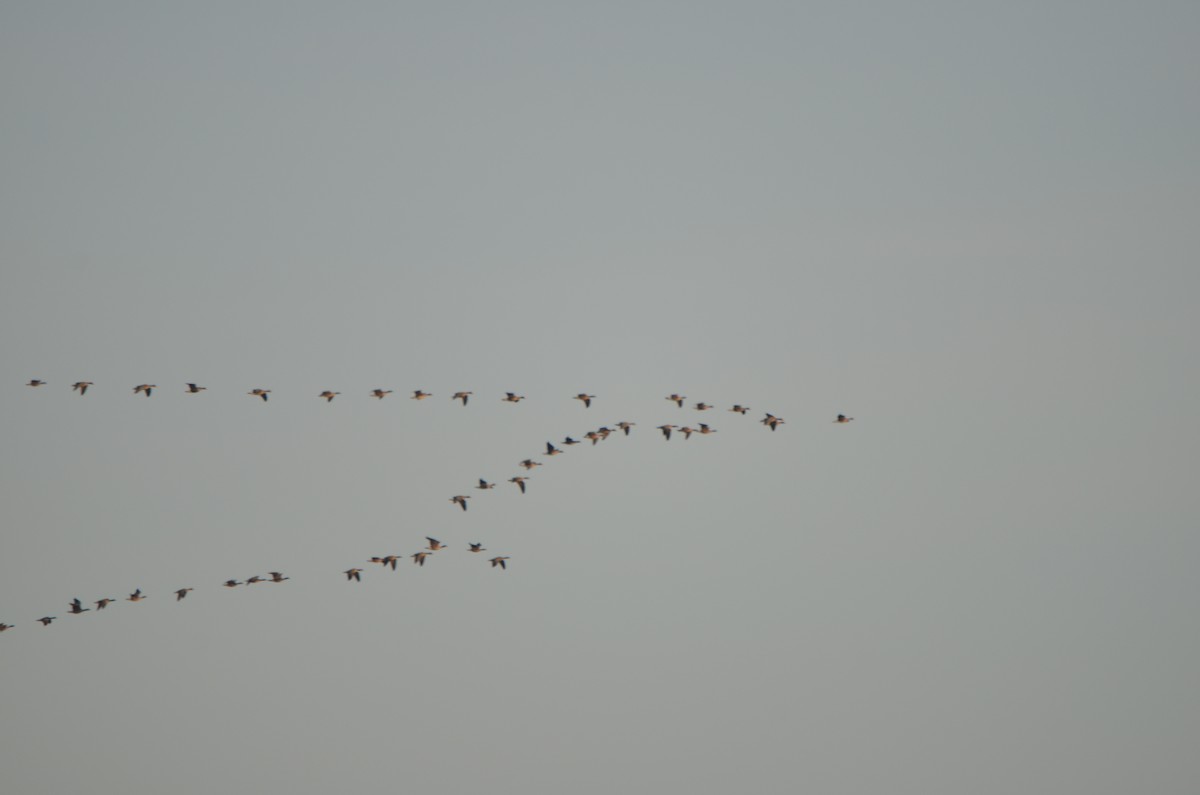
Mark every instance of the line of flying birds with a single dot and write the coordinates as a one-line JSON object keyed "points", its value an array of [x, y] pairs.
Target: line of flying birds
{"points": [[354, 574]]}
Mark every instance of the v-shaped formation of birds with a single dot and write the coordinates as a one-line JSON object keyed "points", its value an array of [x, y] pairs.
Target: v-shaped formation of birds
{"points": [[354, 574]]}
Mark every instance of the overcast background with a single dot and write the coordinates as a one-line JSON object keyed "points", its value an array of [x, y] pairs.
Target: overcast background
{"points": [[972, 226]]}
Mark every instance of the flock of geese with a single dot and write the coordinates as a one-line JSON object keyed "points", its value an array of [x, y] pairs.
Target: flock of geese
{"points": [[354, 574]]}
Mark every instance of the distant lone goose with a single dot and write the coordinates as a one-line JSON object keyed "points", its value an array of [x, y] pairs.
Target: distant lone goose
{"points": [[136, 596], [463, 396], [499, 562], [842, 419], [353, 574], [677, 399], [460, 499], [419, 395], [262, 393], [193, 388], [328, 395], [520, 481], [81, 387], [586, 398], [36, 382], [181, 593], [77, 607], [512, 397], [147, 388], [380, 393], [6, 626]]}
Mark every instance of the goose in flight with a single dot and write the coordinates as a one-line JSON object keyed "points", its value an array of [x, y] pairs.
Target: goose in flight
{"points": [[586, 398], [419, 557], [103, 603], [529, 463], [6, 626], [380, 393], [739, 408], [569, 441], [677, 399], [194, 388], [460, 499], [626, 426], [353, 574], [461, 396], [419, 395], [477, 548], [181, 593], [262, 393], [771, 421], [705, 430], [328, 395], [499, 561], [842, 419], [77, 607], [703, 406], [594, 436], [81, 387], [512, 397], [434, 544], [483, 484], [232, 583], [46, 620], [687, 432], [145, 388], [136, 596], [36, 382], [666, 430], [254, 579], [551, 449], [520, 481], [277, 576]]}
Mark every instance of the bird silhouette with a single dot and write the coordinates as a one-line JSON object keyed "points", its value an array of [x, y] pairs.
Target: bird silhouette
{"points": [[463, 396], [520, 481], [499, 562], [262, 393], [81, 387], [460, 499], [193, 388], [147, 388]]}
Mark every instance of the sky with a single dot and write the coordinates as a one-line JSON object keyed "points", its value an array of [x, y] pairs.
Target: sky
{"points": [[970, 226]]}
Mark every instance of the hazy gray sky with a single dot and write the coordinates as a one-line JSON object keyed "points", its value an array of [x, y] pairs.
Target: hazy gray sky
{"points": [[972, 226]]}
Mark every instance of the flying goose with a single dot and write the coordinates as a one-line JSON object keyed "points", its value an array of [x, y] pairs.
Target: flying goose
{"points": [[77, 607], [46, 620], [771, 421], [419, 557], [419, 395], [477, 547], [136, 596], [703, 406], [434, 544], [145, 388], [704, 429], [842, 419], [512, 397], [277, 576], [586, 398], [262, 393], [193, 388], [460, 499], [103, 603], [625, 426], [739, 408], [36, 382], [232, 583], [666, 429], [181, 593], [677, 399], [328, 395], [499, 562], [483, 484], [529, 463], [520, 481], [380, 393], [551, 449], [353, 574], [81, 387], [461, 396]]}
